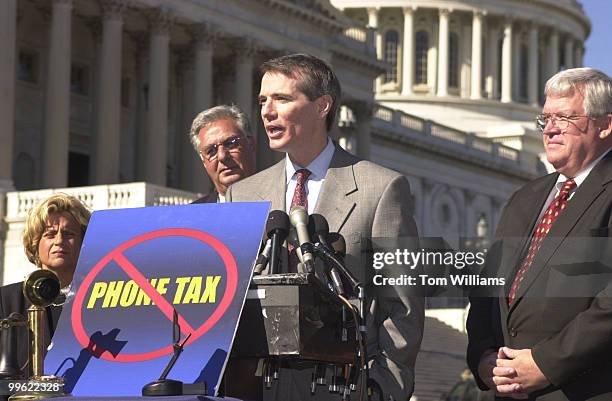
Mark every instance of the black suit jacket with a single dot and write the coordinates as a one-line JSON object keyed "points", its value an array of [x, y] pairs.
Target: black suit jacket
{"points": [[212, 197], [13, 300], [563, 309]]}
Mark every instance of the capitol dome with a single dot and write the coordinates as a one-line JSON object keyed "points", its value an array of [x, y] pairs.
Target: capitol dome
{"points": [[477, 66]]}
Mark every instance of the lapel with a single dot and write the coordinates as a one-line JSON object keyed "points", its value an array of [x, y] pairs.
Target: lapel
{"points": [[337, 198], [273, 187], [589, 190], [525, 215]]}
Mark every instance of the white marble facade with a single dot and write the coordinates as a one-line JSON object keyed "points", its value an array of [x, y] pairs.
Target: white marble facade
{"points": [[102, 92], [478, 66]]}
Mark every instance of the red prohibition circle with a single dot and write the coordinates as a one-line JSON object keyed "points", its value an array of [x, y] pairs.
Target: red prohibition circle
{"points": [[230, 290]]}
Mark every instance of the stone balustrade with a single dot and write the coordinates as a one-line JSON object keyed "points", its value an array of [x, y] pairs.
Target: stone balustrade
{"points": [[402, 125], [359, 38], [100, 197], [13, 262]]}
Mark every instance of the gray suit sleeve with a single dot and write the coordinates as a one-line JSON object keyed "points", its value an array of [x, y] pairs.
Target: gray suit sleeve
{"points": [[398, 320]]}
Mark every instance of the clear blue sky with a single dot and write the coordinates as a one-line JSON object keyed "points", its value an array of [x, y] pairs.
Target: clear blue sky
{"points": [[599, 44]]}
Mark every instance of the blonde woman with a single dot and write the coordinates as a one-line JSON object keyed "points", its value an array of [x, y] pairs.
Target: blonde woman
{"points": [[52, 240]]}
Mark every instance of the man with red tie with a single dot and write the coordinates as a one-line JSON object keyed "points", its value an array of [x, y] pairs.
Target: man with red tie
{"points": [[300, 96], [542, 339]]}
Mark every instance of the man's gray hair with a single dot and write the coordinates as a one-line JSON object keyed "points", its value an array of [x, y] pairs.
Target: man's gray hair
{"points": [[217, 113], [594, 85]]}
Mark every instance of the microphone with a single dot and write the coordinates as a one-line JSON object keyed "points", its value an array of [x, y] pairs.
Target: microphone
{"points": [[299, 219], [320, 230], [338, 244], [277, 228], [262, 259], [336, 257]]}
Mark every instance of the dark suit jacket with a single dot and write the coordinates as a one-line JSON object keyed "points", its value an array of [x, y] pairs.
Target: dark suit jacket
{"points": [[360, 200], [13, 300], [563, 309], [212, 197]]}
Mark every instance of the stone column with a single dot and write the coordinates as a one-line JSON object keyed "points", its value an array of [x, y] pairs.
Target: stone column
{"points": [[506, 95], [57, 98], [553, 53], [476, 92], [195, 176], [8, 39], [408, 59], [203, 46], [191, 171], [108, 132], [532, 66], [569, 53], [492, 63], [373, 23], [157, 114], [578, 56], [443, 54], [141, 98], [243, 92]]}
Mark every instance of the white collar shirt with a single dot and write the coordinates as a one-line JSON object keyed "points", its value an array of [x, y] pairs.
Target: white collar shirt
{"points": [[318, 169], [578, 179]]}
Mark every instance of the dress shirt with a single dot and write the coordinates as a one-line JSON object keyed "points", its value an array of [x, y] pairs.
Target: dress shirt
{"points": [[579, 179], [318, 169]]}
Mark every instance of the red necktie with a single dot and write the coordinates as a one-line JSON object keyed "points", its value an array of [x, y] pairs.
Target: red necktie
{"points": [[300, 198], [550, 215]]}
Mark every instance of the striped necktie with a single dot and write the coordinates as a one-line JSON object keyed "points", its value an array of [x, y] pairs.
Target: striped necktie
{"points": [[557, 207]]}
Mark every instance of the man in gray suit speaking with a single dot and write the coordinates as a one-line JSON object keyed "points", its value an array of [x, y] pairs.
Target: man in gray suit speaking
{"points": [[299, 99]]}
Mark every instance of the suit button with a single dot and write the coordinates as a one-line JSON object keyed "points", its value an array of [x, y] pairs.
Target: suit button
{"points": [[512, 332]]}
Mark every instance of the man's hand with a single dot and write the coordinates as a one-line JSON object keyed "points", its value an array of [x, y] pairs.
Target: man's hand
{"points": [[516, 371], [486, 370]]}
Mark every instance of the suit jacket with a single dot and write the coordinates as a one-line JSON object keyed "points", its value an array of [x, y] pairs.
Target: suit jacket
{"points": [[563, 309], [13, 300], [212, 197], [362, 200]]}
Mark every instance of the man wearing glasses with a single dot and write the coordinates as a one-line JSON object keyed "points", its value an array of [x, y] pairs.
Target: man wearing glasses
{"points": [[222, 138], [548, 335]]}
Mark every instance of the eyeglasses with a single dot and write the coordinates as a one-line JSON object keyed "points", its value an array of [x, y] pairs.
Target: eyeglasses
{"points": [[232, 145], [561, 121]]}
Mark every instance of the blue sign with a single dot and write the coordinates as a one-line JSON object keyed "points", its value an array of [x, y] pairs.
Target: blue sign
{"points": [[136, 267]]}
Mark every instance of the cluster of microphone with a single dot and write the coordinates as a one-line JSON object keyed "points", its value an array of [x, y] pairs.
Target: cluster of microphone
{"points": [[312, 239]]}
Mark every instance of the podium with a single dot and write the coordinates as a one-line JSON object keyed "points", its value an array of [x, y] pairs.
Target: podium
{"points": [[294, 315]]}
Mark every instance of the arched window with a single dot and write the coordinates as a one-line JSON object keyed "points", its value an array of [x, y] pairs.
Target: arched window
{"points": [[391, 44], [453, 61], [482, 226], [422, 47], [523, 72]]}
